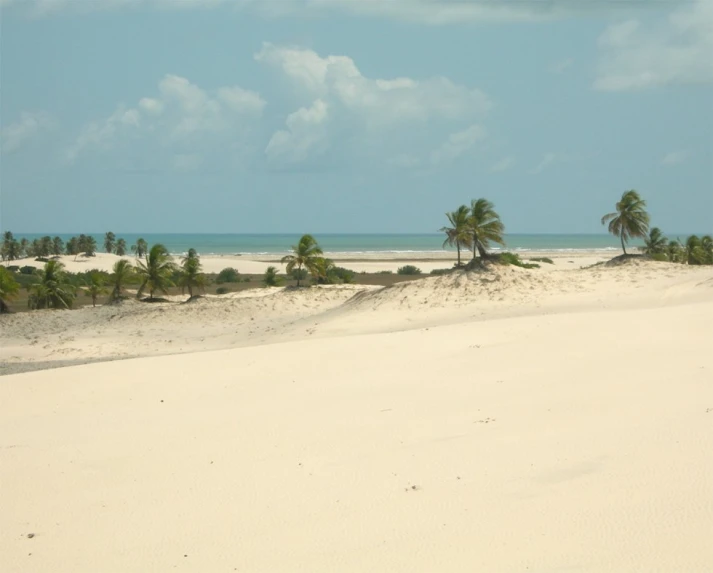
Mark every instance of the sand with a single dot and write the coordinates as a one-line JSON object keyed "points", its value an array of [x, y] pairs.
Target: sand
{"points": [[545, 420]]}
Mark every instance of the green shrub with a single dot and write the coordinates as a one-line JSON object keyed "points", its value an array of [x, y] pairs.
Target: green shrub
{"points": [[659, 256], [228, 275], [299, 274], [27, 270], [13, 268], [42, 259], [439, 272], [246, 279], [385, 273], [342, 275], [513, 259], [271, 278], [222, 290], [543, 260], [408, 270]]}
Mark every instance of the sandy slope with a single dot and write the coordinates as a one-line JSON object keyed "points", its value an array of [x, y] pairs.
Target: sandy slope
{"points": [[539, 422]]}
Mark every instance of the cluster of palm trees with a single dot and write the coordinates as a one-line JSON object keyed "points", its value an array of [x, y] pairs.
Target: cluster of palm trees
{"points": [[632, 220], [307, 259], [474, 229]]}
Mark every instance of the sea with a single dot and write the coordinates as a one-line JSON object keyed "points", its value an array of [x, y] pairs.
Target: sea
{"points": [[354, 244]]}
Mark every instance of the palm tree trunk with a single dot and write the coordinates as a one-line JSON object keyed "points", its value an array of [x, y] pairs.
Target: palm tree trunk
{"points": [[623, 246], [458, 249], [299, 274]]}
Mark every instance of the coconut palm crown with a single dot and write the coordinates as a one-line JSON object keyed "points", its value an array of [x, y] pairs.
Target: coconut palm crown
{"points": [[458, 235], [304, 255], [485, 227], [155, 271], [630, 219]]}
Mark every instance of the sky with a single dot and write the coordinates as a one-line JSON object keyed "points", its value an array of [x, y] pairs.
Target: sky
{"points": [[359, 116]]}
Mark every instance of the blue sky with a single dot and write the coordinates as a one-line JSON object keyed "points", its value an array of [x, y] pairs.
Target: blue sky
{"points": [[321, 116]]}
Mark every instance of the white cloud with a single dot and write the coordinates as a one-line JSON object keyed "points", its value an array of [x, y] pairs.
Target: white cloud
{"points": [[373, 107], [635, 56], [503, 165], [305, 135], [457, 145], [561, 66], [26, 128], [378, 100], [549, 159], [674, 158], [181, 114]]}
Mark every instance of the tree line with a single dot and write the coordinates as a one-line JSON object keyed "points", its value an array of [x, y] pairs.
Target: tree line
{"points": [[13, 249]]}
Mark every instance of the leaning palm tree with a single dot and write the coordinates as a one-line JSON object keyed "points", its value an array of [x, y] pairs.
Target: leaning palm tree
{"points": [[485, 227], [674, 251], [95, 287], [191, 275], [8, 288], [155, 271], [53, 289], [305, 254], [120, 247], [630, 218], [694, 251], [123, 273], [458, 234], [655, 243]]}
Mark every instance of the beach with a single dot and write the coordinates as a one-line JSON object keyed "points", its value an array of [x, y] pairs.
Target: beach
{"points": [[509, 420]]}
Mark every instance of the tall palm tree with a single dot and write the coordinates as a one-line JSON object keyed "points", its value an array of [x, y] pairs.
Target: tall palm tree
{"points": [[53, 290], [694, 252], [305, 254], [458, 234], [707, 246], [120, 248], [140, 248], [10, 247], [155, 271], [674, 251], [485, 227], [122, 275], [191, 275], [630, 218], [95, 287], [655, 243], [109, 242], [8, 289], [57, 246]]}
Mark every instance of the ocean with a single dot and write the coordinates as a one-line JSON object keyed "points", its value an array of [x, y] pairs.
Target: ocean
{"points": [[274, 244]]}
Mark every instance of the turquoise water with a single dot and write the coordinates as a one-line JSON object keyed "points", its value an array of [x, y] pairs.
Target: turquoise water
{"points": [[219, 244]]}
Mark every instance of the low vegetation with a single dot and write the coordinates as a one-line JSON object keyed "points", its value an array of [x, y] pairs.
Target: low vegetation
{"points": [[408, 270]]}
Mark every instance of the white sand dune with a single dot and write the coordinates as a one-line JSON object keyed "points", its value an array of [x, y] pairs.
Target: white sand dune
{"points": [[510, 422]]}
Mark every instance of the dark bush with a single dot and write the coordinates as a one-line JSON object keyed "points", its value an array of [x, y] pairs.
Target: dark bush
{"points": [[439, 272], [384, 273], [228, 275], [299, 274], [547, 260], [13, 268], [222, 290], [408, 270], [513, 259], [27, 270]]}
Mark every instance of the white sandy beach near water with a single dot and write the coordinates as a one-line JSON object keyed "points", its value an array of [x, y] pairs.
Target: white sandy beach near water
{"points": [[510, 421]]}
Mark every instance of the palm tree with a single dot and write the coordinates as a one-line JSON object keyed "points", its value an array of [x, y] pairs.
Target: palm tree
{"points": [[707, 246], [10, 247], [485, 227], [630, 218], [120, 248], [57, 246], [8, 289], [458, 234], [140, 248], [694, 252], [655, 243], [53, 290], [109, 242], [155, 271], [271, 279], [71, 247], [305, 254], [674, 251], [95, 287], [191, 275], [123, 273]]}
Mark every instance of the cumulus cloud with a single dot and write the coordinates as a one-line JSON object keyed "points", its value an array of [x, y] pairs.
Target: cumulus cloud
{"points": [[458, 144], [674, 158], [181, 113], [29, 126], [376, 108], [305, 135], [636, 56]]}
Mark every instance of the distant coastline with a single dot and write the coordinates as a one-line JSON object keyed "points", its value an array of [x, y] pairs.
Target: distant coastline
{"points": [[426, 245]]}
